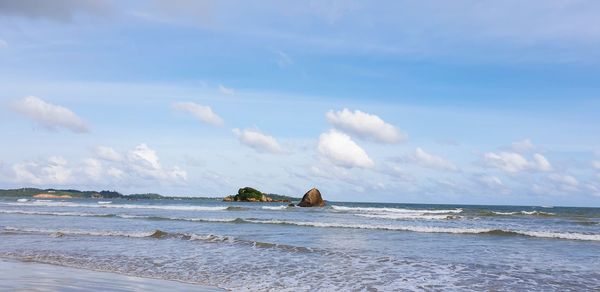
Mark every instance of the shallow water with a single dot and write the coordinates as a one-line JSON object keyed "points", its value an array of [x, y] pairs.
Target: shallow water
{"points": [[345, 246], [28, 276]]}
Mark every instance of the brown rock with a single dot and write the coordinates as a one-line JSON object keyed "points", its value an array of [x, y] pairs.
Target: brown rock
{"points": [[228, 199], [312, 198]]}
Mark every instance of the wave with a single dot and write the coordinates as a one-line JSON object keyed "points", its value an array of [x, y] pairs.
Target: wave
{"points": [[435, 229], [160, 234], [104, 202], [274, 207], [63, 232], [423, 229], [409, 216], [49, 203], [124, 216], [393, 210], [533, 213], [78, 214]]}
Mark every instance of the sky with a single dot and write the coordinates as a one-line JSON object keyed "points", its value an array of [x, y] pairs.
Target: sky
{"points": [[468, 102]]}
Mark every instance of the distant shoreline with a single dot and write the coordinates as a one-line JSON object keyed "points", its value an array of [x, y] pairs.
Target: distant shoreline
{"points": [[30, 192]]}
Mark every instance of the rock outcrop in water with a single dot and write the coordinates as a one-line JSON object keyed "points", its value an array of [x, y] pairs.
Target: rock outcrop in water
{"points": [[312, 198]]}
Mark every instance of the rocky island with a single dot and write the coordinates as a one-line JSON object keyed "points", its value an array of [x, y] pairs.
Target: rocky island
{"points": [[249, 194]]}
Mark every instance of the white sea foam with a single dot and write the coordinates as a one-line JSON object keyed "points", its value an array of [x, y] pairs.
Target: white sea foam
{"points": [[104, 202], [394, 210], [400, 216], [80, 232], [22, 200], [274, 207], [435, 229], [539, 213], [23, 212]]}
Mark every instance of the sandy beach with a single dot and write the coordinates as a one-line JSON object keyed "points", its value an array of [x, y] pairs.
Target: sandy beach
{"points": [[30, 276]]}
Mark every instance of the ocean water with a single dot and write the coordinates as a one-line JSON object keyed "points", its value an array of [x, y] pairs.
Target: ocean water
{"points": [[341, 247]]}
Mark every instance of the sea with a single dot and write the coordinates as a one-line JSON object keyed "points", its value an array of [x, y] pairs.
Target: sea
{"points": [[341, 247]]}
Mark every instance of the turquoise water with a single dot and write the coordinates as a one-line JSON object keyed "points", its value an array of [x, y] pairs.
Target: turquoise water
{"points": [[344, 246]]}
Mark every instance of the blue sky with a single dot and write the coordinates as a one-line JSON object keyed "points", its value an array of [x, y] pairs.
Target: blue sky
{"points": [[394, 101]]}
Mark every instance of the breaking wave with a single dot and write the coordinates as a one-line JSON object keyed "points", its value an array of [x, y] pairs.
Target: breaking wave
{"points": [[160, 234], [435, 229], [529, 213], [394, 210], [274, 207]]}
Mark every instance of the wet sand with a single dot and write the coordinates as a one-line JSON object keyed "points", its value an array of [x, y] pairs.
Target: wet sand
{"points": [[29, 276]]}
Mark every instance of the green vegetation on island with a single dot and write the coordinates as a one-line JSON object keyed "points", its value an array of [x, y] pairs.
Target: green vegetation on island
{"points": [[248, 194], [244, 195], [77, 194]]}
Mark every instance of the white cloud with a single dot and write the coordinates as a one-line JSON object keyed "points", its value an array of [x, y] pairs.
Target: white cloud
{"points": [[565, 179], [49, 116], [425, 159], [523, 146], [92, 168], [107, 153], [144, 162], [201, 112], [541, 163], [140, 166], [226, 90], [115, 173], [564, 182], [491, 181], [258, 141], [3, 43], [144, 156], [507, 161], [514, 162], [342, 151], [365, 126], [596, 164], [54, 171]]}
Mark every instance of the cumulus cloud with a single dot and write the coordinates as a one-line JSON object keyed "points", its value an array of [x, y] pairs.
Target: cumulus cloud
{"points": [[523, 146], [596, 164], [564, 182], [541, 163], [514, 162], [54, 171], [48, 115], [115, 173], [425, 159], [144, 156], [491, 181], [365, 126], [258, 141], [226, 90], [107, 153], [201, 112], [145, 163], [140, 165], [93, 169], [342, 151], [507, 161]]}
